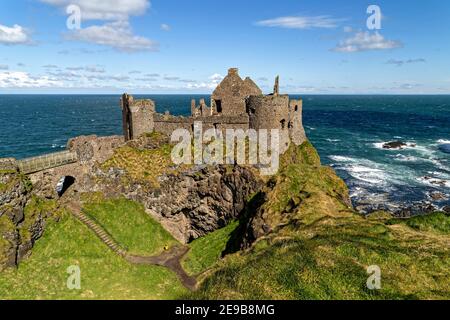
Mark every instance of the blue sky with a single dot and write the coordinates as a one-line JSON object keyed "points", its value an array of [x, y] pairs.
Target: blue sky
{"points": [[168, 46]]}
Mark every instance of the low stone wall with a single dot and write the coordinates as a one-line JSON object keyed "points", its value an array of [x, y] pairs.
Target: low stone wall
{"points": [[168, 123]]}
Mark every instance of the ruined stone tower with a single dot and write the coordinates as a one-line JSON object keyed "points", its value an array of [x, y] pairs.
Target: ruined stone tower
{"points": [[137, 116]]}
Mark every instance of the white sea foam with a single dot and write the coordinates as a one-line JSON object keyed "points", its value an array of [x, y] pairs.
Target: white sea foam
{"points": [[443, 141], [373, 174], [333, 140], [434, 182], [367, 174], [342, 159], [404, 158]]}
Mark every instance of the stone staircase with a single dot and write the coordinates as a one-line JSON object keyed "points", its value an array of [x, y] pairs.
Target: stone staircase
{"points": [[169, 259], [99, 231]]}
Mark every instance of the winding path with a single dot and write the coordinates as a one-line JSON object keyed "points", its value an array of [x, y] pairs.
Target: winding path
{"points": [[169, 259]]}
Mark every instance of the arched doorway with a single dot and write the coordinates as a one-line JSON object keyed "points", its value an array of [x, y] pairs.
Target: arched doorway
{"points": [[63, 184]]}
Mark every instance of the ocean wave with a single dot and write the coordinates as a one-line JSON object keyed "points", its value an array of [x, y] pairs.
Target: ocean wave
{"points": [[367, 174], [434, 182], [361, 169], [405, 158], [342, 159], [443, 141], [371, 174], [333, 140]]}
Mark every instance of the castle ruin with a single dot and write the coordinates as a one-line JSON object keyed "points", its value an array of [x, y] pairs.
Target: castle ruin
{"points": [[235, 104]]}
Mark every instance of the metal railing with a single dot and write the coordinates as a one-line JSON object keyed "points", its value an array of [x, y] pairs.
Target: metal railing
{"points": [[47, 161]]}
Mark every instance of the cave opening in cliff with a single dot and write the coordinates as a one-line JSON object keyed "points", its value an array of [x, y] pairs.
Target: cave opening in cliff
{"points": [[63, 184]]}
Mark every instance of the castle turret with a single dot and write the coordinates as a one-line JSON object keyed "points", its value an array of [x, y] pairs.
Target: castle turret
{"points": [[296, 131], [270, 112]]}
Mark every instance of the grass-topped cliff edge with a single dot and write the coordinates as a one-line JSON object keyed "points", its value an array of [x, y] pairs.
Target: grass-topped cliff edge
{"points": [[319, 248]]}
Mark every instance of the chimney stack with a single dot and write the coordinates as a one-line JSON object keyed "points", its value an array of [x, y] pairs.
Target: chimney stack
{"points": [[232, 71], [276, 87]]}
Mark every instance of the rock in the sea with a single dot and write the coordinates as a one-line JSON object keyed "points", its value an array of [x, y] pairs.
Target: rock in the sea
{"points": [[446, 209], [416, 209], [437, 196], [395, 145], [445, 148], [435, 181]]}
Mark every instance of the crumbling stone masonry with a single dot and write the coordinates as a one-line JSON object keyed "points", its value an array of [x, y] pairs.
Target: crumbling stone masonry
{"points": [[235, 104], [137, 116]]}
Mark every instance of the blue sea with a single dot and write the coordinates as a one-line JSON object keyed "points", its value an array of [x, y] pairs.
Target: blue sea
{"points": [[348, 132]]}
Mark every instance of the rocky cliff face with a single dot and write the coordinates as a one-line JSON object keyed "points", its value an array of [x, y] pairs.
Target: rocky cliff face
{"points": [[22, 217], [189, 201], [201, 200], [13, 197]]}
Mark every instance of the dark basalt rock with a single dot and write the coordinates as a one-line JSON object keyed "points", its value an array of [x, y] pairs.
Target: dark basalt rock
{"points": [[416, 209], [194, 203], [437, 196], [13, 198], [394, 145]]}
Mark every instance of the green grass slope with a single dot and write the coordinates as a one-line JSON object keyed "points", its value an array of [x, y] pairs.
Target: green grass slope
{"points": [[207, 250], [321, 249], [104, 275], [128, 223]]}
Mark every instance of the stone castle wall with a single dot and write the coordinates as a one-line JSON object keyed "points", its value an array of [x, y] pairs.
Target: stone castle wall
{"points": [[168, 123], [137, 116], [296, 131]]}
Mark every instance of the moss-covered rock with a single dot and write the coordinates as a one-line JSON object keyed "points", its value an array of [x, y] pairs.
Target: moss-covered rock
{"points": [[22, 217]]}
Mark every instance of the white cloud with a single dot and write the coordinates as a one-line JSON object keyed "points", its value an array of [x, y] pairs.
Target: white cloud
{"points": [[214, 80], [118, 35], [105, 9], [19, 79], [171, 78], [14, 35], [165, 27], [95, 69], [348, 29], [365, 41], [301, 22], [399, 63], [216, 77]]}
